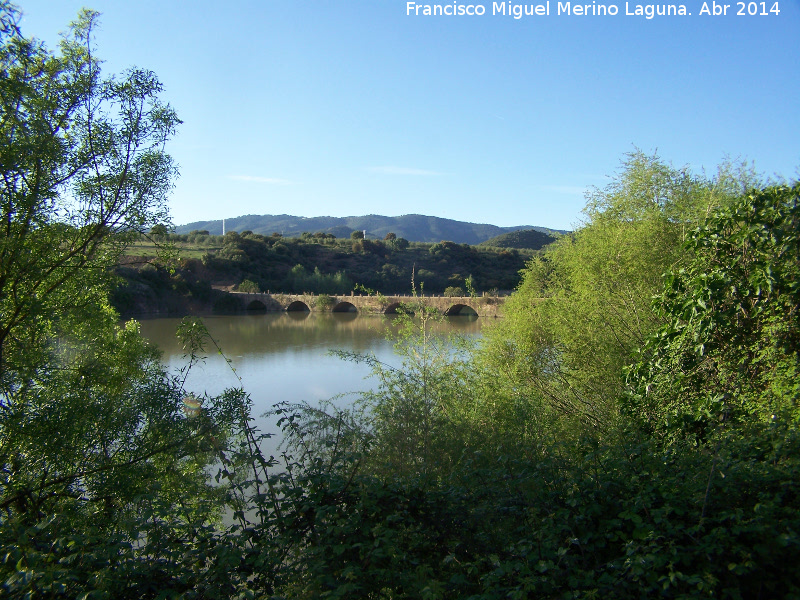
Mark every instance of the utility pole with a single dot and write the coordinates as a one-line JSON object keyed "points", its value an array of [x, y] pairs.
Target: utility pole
{"points": [[223, 226]]}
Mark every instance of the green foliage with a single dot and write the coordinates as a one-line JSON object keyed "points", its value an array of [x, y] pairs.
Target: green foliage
{"points": [[324, 302], [299, 281], [96, 452], [328, 267], [362, 288], [159, 229], [469, 283], [453, 291], [413, 416], [584, 307], [399, 244], [249, 287], [82, 169], [372, 247], [54, 110], [525, 238], [728, 353], [582, 520]]}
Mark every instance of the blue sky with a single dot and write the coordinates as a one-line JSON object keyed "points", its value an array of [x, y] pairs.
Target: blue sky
{"points": [[351, 107]]}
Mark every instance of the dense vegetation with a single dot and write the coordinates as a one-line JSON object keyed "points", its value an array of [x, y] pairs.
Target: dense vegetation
{"points": [[524, 238], [599, 444], [315, 263]]}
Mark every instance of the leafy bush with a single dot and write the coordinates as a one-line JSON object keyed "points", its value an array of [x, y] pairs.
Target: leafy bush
{"points": [[248, 287], [324, 302], [728, 355]]}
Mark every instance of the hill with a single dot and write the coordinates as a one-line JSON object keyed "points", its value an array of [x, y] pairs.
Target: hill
{"points": [[523, 238], [415, 228], [319, 265]]}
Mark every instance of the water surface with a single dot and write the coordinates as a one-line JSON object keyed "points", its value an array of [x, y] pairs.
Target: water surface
{"points": [[285, 356]]}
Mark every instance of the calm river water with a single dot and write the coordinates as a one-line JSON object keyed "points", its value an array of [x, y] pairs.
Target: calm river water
{"points": [[284, 356]]}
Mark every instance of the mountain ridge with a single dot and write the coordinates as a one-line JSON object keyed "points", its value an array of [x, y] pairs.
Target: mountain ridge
{"points": [[413, 227]]}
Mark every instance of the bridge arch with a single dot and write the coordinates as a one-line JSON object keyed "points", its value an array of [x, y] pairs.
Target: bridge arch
{"points": [[344, 306], [256, 305], [461, 310], [396, 308], [298, 306]]}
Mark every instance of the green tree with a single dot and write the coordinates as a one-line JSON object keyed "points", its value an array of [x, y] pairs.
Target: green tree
{"points": [[249, 287], [83, 168], [584, 307], [469, 283], [94, 443], [400, 244]]}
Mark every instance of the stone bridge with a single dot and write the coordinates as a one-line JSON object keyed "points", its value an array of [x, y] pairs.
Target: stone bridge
{"points": [[483, 306]]}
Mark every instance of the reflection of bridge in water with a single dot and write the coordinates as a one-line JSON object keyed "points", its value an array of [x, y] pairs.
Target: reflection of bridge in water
{"points": [[484, 306]]}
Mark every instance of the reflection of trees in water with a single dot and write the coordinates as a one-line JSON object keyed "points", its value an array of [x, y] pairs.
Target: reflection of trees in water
{"points": [[272, 333]]}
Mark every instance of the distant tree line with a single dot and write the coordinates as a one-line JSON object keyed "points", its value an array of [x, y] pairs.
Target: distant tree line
{"points": [[319, 263]]}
